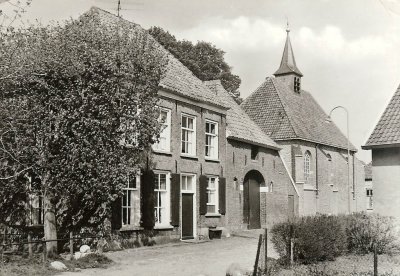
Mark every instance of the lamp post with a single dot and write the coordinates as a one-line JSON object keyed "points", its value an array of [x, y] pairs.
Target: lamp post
{"points": [[348, 151]]}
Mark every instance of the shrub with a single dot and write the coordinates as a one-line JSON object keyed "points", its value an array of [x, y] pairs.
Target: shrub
{"points": [[365, 231], [315, 238]]}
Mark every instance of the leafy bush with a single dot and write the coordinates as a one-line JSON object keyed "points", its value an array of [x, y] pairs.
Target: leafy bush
{"points": [[365, 231], [315, 238]]}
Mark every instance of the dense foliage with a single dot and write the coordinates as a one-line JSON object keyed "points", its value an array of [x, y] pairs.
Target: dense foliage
{"points": [[204, 59], [77, 111], [319, 238]]}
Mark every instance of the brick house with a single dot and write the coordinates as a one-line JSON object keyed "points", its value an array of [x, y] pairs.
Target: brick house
{"points": [[369, 188], [314, 149], [385, 145], [211, 168]]}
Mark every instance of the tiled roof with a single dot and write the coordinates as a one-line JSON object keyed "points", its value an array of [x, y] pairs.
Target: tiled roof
{"points": [[288, 63], [178, 78], [239, 125], [368, 171], [387, 131], [285, 115]]}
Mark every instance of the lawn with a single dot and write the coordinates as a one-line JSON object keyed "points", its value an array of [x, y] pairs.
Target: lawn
{"points": [[17, 265], [348, 265]]}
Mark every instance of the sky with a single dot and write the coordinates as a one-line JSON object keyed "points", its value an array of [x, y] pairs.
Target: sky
{"points": [[347, 50]]}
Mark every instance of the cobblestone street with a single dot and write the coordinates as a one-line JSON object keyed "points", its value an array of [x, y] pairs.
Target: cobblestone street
{"points": [[183, 259]]}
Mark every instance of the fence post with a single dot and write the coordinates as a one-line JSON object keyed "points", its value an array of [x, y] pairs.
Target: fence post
{"points": [[4, 244], [291, 244], [266, 251], [71, 244], [258, 255], [375, 261], [30, 252], [44, 252]]}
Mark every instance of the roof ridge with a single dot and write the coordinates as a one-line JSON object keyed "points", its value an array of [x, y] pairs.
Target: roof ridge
{"points": [[284, 108]]}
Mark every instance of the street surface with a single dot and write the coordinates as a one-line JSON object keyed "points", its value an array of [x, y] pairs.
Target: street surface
{"points": [[183, 259]]}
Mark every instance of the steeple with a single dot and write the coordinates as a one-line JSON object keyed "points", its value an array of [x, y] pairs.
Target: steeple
{"points": [[288, 70]]}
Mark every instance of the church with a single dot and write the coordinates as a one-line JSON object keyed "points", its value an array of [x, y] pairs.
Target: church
{"points": [[319, 156]]}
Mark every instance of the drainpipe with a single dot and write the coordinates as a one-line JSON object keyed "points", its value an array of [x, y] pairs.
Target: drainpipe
{"points": [[316, 178]]}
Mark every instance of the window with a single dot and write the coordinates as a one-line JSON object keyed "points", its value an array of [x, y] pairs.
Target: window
{"points": [[188, 126], [187, 183], [128, 199], [212, 195], [369, 199], [254, 152], [307, 165], [161, 197], [211, 140], [296, 84], [369, 192], [164, 119]]}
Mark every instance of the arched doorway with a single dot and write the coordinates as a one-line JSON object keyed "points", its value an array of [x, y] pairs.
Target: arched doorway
{"points": [[251, 194]]}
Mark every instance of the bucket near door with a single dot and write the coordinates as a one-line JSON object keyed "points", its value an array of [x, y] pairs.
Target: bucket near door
{"points": [[214, 233]]}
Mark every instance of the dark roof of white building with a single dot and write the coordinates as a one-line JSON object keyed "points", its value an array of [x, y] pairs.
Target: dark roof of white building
{"points": [[387, 131]]}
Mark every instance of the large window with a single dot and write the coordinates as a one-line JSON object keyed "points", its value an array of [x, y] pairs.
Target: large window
{"points": [[164, 143], [211, 140], [128, 199], [369, 199], [188, 126], [307, 166], [161, 197], [212, 195]]}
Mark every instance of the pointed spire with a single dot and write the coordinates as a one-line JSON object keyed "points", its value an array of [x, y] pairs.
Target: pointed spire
{"points": [[288, 63]]}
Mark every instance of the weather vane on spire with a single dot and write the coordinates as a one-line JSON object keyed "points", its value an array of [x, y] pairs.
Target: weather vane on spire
{"points": [[287, 25]]}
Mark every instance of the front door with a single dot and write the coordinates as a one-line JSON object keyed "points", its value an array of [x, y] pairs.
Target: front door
{"points": [[251, 204], [187, 216]]}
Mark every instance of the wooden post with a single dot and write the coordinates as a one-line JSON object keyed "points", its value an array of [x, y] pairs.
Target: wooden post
{"points": [[266, 251], [30, 251], [375, 261], [291, 251], [4, 244], [44, 252], [71, 244], [258, 255]]}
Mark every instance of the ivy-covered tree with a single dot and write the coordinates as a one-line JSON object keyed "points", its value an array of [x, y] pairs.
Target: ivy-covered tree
{"points": [[77, 112], [204, 59]]}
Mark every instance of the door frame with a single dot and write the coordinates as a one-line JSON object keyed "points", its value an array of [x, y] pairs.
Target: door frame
{"points": [[193, 192], [256, 176]]}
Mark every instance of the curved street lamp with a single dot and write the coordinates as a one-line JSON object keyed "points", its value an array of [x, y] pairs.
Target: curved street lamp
{"points": [[348, 151]]}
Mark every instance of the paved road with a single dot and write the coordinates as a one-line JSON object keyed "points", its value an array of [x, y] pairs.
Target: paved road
{"points": [[182, 259]]}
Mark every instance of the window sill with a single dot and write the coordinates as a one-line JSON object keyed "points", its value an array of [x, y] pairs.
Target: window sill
{"points": [[190, 156], [130, 228], [216, 215], [163, 227], [209, 159], [162, 152]]}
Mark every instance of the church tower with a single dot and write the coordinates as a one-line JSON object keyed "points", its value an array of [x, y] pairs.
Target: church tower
{"points": [[288, 71]]}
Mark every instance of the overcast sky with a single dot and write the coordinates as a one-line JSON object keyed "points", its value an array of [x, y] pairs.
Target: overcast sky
{"points": [[348, 50]]}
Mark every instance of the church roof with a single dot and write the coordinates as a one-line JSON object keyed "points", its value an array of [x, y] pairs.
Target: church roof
{"points": [[387, 131], [239, 125], [286, 115], [178, 78], [288, 63]]}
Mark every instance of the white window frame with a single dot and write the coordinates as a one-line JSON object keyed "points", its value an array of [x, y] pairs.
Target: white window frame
{"points": [[307, 166], [189, 191], [166, 201], [165, 133], [128, 191], [191, 145], [214, 191], [213, 151]]}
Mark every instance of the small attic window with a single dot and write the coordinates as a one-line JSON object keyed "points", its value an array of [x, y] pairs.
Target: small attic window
{"points": [[296, 84], [254, 152]]}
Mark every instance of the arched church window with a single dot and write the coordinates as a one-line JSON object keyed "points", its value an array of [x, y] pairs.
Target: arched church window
{"points": [[307, 165]]}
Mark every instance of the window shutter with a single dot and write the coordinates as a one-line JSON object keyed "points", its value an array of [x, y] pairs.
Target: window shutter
{"points": [[147, 199], [116, 214], [175, 198], [203, 180], [222, 195]]}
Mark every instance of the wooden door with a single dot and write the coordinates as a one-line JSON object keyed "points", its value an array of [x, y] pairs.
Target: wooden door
{"points": [[187, 216], [254, 204]]}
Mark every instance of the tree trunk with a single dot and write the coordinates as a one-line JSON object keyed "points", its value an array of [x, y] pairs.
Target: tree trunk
{"points": [[50, 229]]}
